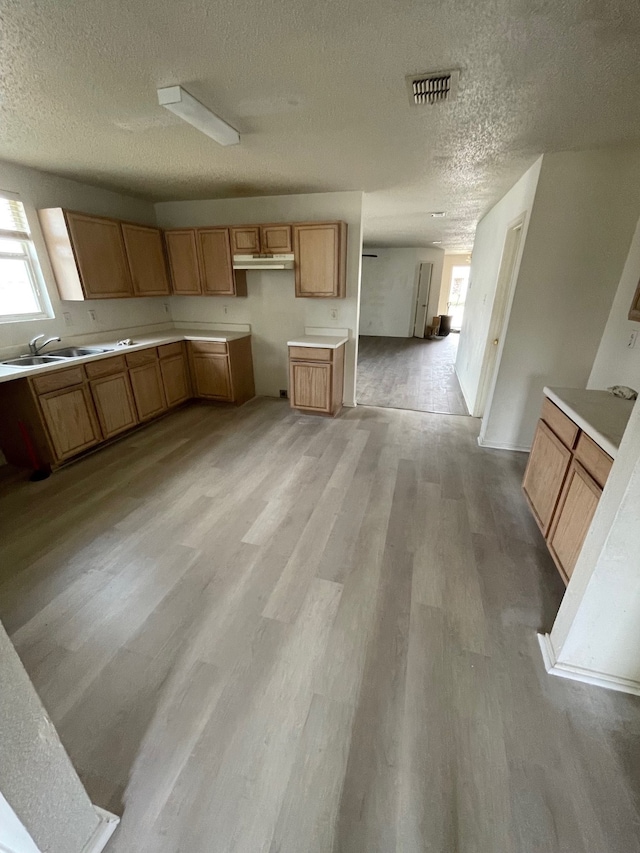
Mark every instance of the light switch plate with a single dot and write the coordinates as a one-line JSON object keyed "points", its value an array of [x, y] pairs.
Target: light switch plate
{"points": [[633, 337]]}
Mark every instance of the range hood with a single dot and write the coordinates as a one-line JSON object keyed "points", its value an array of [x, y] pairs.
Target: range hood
{"points": [[263, 262]]}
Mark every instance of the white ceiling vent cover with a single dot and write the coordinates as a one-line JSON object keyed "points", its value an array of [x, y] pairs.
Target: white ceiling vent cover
{"points": [[433, 87]]}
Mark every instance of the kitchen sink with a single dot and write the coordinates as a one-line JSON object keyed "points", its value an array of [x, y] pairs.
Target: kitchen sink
{"points": [[76, 352], [32, 360]]}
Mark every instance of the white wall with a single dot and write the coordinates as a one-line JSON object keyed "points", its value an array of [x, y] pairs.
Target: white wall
{"points": [[36, 776], [39, 190], [485, 266], [615, 363], [584, 214], [271, 308], [450, 261], [390, 287]]}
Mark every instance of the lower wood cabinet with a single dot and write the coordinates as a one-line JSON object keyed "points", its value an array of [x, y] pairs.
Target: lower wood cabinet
{"points": [[52, 417], [175, 373], [316, 377], [114, 404], [563, 482], [572, 520], [147, 385], [222, 371], [70, 420]]}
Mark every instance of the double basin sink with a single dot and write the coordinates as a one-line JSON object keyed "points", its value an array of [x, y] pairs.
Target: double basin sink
{"points": [[55, 356]]}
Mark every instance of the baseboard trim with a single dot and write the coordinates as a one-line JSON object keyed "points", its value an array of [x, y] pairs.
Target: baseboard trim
{"points": [[577, 673], [103, 831], [492, 445]]}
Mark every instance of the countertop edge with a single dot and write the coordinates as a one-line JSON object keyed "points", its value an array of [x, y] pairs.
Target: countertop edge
{"points": [[153, 341], [601, 440], [331, 343]]}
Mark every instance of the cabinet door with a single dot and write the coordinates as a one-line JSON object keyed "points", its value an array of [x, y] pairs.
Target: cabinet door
{"points": [[100, 256], [175, 379], [320, 259], [145, 254], [148, 391], [546, 470], [572, 520], [114, 403], [245, 241], [70, 420], [276, 238], [182, 252], [310, 386], [211, 376], [215, 261]]}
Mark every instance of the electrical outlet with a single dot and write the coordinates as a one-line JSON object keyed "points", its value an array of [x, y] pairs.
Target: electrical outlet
{"points": [[633, 337], [333, 312], [92, 316], [225, 308], [166, 307], [68, 319], [284, 393]]}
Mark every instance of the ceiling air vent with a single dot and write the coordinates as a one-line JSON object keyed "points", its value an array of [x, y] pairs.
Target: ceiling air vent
{"points": [[433, 87]]}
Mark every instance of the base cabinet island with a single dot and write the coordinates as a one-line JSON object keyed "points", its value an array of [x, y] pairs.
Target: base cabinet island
{"points": [[316, 373], [54, 413], [573, 449]]}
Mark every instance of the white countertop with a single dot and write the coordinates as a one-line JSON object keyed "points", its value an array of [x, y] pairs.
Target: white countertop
{"points": [[8, 372], [598, 413], [320, 341]]}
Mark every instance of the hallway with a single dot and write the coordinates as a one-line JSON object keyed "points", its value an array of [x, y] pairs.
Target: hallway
{"points": [[410, 373]]}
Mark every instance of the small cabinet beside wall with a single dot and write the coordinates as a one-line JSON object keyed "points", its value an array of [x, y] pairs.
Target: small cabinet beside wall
{"points": [[316, 379], [563, 482], [201, 263]]}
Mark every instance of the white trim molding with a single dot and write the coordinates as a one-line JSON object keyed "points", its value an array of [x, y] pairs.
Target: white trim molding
{"points": [[103, 831], [494, 446], [578, 673]]}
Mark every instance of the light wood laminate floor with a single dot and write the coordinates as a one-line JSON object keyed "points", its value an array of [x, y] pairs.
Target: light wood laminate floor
{"points": [[410, 373], [263, 632]]}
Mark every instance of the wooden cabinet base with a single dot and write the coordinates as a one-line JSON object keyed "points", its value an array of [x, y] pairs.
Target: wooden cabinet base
{"points": [[316, 379]]}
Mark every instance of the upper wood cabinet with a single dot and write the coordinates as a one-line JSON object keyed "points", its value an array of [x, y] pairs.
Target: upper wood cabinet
{"points": [[201, 263], [145, 254], [268, 239], [216, 264], [320, 252], [87, 254], [182, 251], [246, 240], [276, 239], [634, 311]]}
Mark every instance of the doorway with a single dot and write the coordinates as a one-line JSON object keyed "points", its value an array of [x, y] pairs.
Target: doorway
{"points": [[401, 362]]}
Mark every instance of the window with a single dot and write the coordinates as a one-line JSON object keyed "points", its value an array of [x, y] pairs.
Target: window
{"points": [[22, 291]]}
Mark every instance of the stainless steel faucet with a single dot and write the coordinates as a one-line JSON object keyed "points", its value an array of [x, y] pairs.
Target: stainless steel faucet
{"points": [[35, 348]]}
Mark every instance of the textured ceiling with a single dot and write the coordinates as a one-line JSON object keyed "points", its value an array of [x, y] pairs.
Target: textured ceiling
{"points": [[317, 91]]}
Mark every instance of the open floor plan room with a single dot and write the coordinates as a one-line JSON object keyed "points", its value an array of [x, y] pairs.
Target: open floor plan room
{"points": [[288, 633]]}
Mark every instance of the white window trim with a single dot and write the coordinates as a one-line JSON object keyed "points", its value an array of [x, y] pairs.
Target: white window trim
{"points": [[35, 269]]}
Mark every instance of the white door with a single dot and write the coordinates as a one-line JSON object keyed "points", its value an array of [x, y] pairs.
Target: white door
{"points": [[14, 838], [422, 300], [499, 314]]}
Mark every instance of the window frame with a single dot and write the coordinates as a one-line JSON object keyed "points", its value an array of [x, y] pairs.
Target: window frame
{"points": [[34, 267]]}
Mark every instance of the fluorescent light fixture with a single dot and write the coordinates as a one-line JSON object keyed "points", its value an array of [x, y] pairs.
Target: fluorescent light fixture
{"points": [[436, 242], [179, 101]]}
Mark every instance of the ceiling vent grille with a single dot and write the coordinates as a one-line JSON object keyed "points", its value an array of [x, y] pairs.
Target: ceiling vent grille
{"points": [[433, 87]]}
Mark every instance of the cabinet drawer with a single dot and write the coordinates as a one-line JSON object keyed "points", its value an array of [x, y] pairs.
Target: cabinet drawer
{"points": [[168, 350], [59, 379], [593, 459], [145, 356], [563, 426], [310, 354], [105, 367], [214, 347]]}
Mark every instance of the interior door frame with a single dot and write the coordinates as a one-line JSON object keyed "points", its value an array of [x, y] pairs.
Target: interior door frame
{"points": [[502, 301], [14, 837]]}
